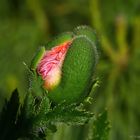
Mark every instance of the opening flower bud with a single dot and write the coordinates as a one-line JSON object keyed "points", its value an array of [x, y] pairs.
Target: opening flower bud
{"points": [[67, 66]]}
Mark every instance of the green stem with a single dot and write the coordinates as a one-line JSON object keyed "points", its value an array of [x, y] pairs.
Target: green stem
{"points": [[121, 33], [97, 23], [136, 32], [39, 14]]}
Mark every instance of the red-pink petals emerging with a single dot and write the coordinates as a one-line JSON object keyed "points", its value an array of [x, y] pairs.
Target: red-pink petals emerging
{"points": [[50, 65]]}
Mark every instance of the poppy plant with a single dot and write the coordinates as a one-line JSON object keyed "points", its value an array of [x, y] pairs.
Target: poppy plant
{"points": [[67, 65]]}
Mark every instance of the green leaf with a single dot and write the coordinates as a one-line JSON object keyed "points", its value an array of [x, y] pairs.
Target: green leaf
{"points": [[9, 116], [30, 120], [100, 127], [69, 114], [67, 36]]}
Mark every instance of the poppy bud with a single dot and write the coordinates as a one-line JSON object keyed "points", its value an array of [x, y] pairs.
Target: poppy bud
{"points": [[68, 64]]}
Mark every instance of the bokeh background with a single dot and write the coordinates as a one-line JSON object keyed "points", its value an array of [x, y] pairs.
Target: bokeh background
{"points": [[27, 24]]}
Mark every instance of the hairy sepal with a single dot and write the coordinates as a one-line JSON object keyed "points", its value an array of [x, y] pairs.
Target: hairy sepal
{"points": [[37, 57], [77, 72]]}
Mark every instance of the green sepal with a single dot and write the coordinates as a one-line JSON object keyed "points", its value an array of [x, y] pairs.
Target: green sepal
{"points": [[86, 31], [37, 57], [67, 36], [90, 34], [77, 72]]}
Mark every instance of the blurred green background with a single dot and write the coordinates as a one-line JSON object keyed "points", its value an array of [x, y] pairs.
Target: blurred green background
{"points": [[27, 24]]}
